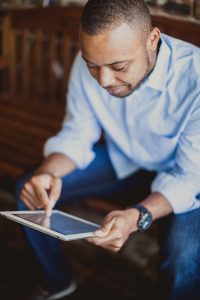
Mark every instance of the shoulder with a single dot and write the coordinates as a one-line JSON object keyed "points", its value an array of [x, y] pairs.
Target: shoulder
{"points": [[183, 54], [184, 61]]}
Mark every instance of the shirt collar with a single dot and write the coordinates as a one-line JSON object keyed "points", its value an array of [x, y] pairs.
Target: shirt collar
{"points": [[156, 79]]}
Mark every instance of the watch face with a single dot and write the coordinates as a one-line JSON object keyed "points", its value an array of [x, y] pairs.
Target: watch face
{"points": [[145, 222]]}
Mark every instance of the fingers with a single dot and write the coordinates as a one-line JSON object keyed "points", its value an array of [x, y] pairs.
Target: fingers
{"points": [[27, 200], [55, 190], [41, 191], [43, 198], [113, 233], [113, 242], [28, 195], [105, 229], [107, 236], [40, 196]]}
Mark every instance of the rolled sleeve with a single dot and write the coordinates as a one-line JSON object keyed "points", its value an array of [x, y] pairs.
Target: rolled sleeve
{"points": [[181, 184], [79, 153], [179, 190], [80, 128]]}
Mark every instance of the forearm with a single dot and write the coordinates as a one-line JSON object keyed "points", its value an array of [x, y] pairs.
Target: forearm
{"points": [[56, 165], [158, 205]]}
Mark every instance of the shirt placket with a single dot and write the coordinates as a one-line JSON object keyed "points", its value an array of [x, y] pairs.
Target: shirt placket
{"points": [[131, 110]]}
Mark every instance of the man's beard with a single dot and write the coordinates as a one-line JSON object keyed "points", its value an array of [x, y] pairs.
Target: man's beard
{"points": [[148, 71]]}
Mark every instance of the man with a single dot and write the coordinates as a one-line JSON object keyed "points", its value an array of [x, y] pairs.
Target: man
{"points": [[142, 88]]}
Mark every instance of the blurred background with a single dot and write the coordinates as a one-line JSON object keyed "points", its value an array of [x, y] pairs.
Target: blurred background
{"points": [[184, 7]]}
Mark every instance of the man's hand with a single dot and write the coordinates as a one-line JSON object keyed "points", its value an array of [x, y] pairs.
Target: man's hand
{"points": [[41, 191], [119, 224], [117, 227]]}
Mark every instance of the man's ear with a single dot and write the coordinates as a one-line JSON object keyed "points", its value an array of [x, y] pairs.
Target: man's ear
{"points": [[153, 39]]}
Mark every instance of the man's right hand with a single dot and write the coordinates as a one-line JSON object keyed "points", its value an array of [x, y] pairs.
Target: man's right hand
{"points": [[41, 191]]}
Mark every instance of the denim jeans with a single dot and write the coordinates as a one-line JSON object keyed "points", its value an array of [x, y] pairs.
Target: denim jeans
{"points": [[178, 235], [179, 240]]}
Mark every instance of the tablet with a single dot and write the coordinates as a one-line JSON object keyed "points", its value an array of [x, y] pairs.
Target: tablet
{"points": [[60, 224]]}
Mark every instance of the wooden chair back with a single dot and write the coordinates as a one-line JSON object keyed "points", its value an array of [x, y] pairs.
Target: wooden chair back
{"points": [[188, 31], [41, 44]]}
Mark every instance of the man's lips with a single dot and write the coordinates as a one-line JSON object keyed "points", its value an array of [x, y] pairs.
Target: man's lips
{"points": [[115, 90]]}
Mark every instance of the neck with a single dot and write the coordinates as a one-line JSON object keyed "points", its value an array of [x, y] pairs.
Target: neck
{"points": [[153, 59]]}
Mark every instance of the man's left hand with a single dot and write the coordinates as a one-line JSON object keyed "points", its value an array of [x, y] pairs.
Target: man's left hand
{"points": [[116, 229]]}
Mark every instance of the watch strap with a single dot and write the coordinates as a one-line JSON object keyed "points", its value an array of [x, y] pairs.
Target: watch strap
{"points": [[141, 208], [143, 212]]}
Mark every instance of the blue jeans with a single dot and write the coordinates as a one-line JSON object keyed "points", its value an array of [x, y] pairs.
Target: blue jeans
{"points": [[178, 235], [179, 240]]}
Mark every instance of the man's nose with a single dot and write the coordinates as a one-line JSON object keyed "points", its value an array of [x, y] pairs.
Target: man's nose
{"points": [[105, 77]]}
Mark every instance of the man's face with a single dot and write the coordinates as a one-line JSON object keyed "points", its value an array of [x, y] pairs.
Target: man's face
{"points": [[119, 59]]}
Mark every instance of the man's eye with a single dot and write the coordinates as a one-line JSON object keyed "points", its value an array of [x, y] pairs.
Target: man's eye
{"points": [[91, 66], [119, 69]]}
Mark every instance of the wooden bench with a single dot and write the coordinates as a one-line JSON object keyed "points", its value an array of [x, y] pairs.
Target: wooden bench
{"points": [[38, 48]]}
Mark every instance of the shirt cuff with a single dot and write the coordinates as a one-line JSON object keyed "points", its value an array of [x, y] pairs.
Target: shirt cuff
{"points": [[180, 192], [79, 154]]}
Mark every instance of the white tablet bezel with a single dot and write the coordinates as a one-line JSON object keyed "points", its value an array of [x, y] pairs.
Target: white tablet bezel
{"points": [[65, 237]]}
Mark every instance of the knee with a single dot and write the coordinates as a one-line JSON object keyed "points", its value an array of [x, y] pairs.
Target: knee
{"points": [[182, 267], [180, 246]]}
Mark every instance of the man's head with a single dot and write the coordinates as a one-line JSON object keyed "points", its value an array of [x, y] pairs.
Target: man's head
{"points": [[118, 43]]}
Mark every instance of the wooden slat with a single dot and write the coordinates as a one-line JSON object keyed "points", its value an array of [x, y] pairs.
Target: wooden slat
{"points": [[67, 56], [52, 61], [5, 55], [55, 111], [4, 62], [9, 154], [31, 150], [27, 117], [14, 171], [38, 64], [11, 137], [26, 63], [13, 67], [24, 129], [51, 19], [6, 49]]}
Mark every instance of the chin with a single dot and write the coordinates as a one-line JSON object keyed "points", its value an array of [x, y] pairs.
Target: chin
{"points": [[123, 95]]}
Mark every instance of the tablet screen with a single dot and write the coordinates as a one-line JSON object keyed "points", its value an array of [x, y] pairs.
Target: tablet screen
{"points": [[60, 223]]}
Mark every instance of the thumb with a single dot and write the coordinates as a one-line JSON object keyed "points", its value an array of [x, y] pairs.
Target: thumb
{"points": [[105, 229]]}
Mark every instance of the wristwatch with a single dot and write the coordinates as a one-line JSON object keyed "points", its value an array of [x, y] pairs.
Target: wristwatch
{"points": [[145, 217]]}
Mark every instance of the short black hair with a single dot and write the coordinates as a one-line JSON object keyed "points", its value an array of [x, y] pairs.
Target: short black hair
{"points": [[99, 16]]}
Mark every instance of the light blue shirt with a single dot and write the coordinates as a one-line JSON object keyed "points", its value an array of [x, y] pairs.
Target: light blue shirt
{"points": [[157, 127]]}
